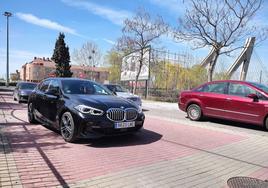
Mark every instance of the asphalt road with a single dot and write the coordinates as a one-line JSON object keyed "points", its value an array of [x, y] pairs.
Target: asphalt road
{"points": [[171, 112]]}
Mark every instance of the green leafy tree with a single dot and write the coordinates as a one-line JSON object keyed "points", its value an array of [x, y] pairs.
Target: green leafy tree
{"points": [[114, 61], [221, 76], [61, 57]]}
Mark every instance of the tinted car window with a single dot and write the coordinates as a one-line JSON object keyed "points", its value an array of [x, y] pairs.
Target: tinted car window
{"points": [[30, 86], [213, 88], [261, 86], [83, 87], [240, 90], [44, 86], [54, 85], [261, 96], [244, 91], [99, 90], [18, 85], [111, 87], [116, 88], [120, 89]]}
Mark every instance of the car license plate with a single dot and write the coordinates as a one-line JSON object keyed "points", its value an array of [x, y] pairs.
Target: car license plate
{"points": [[120, 125]]}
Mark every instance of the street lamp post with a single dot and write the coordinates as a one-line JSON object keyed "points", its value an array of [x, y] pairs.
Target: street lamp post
{"points": [[7, 14], [92, 66], [90, 57]]}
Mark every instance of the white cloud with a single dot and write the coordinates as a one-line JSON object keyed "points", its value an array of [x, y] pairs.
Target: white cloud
{"points": [[45, 23], [109, 41], [176, 6], [115, 16]]}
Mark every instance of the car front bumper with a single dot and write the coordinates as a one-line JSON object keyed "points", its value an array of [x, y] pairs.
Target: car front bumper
{"points": [[182, 106], [98, 126]]}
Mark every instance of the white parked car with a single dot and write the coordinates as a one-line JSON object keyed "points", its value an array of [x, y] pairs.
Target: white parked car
{"points": [[123, 92]]}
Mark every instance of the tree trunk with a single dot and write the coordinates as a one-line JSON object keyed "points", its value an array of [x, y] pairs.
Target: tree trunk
{"points": [[212, 64], [135, 84], [139, 71]]}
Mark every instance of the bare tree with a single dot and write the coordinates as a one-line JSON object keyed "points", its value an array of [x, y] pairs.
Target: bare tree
{"points": [[139, 33], [88, 55], [219, 24]]}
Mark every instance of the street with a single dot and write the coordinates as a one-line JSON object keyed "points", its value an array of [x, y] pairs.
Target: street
{"points": [[171, 151]]}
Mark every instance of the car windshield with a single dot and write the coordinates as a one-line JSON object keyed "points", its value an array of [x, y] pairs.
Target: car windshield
{"points": [[260, 86], [29, 86], [83, 87], [117, 88]]}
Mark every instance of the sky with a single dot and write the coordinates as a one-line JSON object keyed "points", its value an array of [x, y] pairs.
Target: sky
{"points": [[35, 26]]}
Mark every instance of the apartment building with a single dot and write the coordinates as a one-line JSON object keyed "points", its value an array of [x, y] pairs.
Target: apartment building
{"points": [[41, 68]]}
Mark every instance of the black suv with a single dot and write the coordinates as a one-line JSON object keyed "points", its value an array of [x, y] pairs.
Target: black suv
{"points": [[82, 108]]}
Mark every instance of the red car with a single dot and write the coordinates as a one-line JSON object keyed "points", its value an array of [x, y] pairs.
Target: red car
{"points": [[228, 99]]}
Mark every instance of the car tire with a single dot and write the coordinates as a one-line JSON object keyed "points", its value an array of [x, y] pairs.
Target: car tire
{"points": [[68, 129], [266, 124], [31, 117], [194, 112]]}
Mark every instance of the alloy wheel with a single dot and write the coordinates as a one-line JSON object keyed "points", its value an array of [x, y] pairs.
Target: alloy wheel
{"points": [[194, 112], [67, 126], [30, 113]]}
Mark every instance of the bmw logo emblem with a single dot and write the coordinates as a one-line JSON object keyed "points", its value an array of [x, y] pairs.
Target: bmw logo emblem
{"points": [[122, 107]]}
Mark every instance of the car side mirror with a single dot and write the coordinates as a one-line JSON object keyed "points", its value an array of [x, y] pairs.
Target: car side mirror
{"points": [[254, 97]]}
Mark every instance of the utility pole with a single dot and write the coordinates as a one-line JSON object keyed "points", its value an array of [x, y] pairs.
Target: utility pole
{"points": [[89, 58], [93, 63], [7, 14]]}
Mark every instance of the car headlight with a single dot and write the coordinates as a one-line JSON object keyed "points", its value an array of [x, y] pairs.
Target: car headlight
{"points": [[88, 110]]}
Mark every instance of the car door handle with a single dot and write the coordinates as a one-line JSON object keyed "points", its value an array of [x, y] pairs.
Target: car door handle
{"points": [[228, 99]]}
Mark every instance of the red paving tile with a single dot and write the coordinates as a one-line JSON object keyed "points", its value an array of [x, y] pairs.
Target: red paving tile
{"points": [[42, 156], [191, 136]]}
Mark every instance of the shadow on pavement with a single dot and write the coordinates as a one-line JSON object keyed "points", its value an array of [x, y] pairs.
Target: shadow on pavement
{"points": [[6, 89], [26, 138], [11, 105], [234, 124], [140, 138]]}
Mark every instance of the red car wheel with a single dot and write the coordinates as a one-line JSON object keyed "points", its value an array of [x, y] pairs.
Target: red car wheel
{"points": [[194, 112]]}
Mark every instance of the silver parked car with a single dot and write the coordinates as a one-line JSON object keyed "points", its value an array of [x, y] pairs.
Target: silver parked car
{"points": [[124, 93], [23, 90]]}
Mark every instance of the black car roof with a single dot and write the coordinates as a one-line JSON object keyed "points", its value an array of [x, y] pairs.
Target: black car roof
{"points": [[63, 78], [69, 78], [59, 78]]}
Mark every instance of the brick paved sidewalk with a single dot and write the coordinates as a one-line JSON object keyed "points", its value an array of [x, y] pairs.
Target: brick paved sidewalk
{"points": [[9, 176], [164, 154]]}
